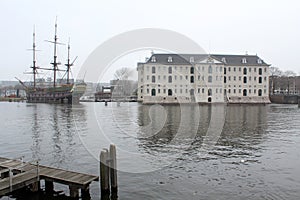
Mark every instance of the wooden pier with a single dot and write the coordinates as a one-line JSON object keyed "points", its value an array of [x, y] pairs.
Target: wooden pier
{"points": [[16, 174]]}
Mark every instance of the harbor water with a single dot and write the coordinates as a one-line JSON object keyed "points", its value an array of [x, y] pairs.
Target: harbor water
{"points": [[164, 152]]}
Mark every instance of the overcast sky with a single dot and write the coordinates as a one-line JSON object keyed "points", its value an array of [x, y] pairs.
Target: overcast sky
{"points": [[268, 28]]}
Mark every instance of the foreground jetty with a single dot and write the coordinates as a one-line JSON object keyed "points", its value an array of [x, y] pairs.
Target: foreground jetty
{"points": [[16, 175]]}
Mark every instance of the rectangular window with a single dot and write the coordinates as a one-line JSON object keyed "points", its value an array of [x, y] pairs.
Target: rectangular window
{"points": [[260, 71]]}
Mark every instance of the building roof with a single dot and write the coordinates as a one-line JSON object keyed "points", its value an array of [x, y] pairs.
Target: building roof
{"points": [[188, 59]]}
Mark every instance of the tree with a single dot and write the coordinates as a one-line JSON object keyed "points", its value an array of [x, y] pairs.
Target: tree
{"points": [[122, 74], [274, 73], [289, 73]]}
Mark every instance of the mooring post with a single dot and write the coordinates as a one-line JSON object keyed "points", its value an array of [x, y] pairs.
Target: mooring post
{"points": [[298, 102], [113, 168], [74, 191], [49, 187], [85, 193], [10, 179], [104, 172]]}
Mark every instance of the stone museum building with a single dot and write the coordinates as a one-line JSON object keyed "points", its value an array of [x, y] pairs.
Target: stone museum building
{"points": [[203, 78]]}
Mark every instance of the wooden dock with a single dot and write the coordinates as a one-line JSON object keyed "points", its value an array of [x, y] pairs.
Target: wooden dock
{"points": [[16, 174]]}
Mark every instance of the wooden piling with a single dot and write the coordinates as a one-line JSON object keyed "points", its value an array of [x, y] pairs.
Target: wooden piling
{"points": [[85, 193], [104, 172], [298, 102], [113, 169], [74, 191], [49, 187]]}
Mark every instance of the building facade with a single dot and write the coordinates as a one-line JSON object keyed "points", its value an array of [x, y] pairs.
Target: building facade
{"points": [[203, 78]]}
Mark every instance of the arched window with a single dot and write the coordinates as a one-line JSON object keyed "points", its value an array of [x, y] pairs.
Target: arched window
{"points": [[153, 92], [192, 79], [209, 92], [245, 79], [153, 70], [244, 92], [170, 70], [245, 71], [153, 79], [260, 92], [192, 92], [169, 92], [170, 79], [192, 70], [210, 69]]}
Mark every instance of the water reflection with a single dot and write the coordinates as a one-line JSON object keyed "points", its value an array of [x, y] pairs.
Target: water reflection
{"points": [[226, 130], [55, 124]]}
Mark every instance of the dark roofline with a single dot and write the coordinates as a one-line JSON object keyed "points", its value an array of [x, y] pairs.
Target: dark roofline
{"points": [[235, 60]]}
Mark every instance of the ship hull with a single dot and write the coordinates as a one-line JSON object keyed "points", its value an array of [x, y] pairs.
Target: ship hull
{"points": [[68, 94]]}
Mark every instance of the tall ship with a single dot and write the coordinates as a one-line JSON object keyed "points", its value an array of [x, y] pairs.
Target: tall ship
{"points": [[63, 90]]}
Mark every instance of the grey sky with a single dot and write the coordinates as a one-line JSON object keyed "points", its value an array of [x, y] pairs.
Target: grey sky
{"points": [[268, 28]]}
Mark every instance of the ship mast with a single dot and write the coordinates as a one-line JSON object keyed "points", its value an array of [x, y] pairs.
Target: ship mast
{"points": [[34, 68], [55, 63], [69, 65]]}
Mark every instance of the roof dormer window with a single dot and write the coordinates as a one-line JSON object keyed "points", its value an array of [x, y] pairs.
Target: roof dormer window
{"points": [[224, 60], [259, 61], [192, 59], [244, 60], [170, 59], [153, 59]]}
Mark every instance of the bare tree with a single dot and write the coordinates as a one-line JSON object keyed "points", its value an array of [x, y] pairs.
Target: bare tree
{"points": [[275, 72], [289, 73], [122, 74], [290, 76]]}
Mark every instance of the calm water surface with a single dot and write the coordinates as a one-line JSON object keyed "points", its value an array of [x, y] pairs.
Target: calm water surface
{"points": [[160, 149]]}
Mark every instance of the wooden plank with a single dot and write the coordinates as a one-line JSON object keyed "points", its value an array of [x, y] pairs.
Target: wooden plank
{"points": [[18, 181], [28, 175]]}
